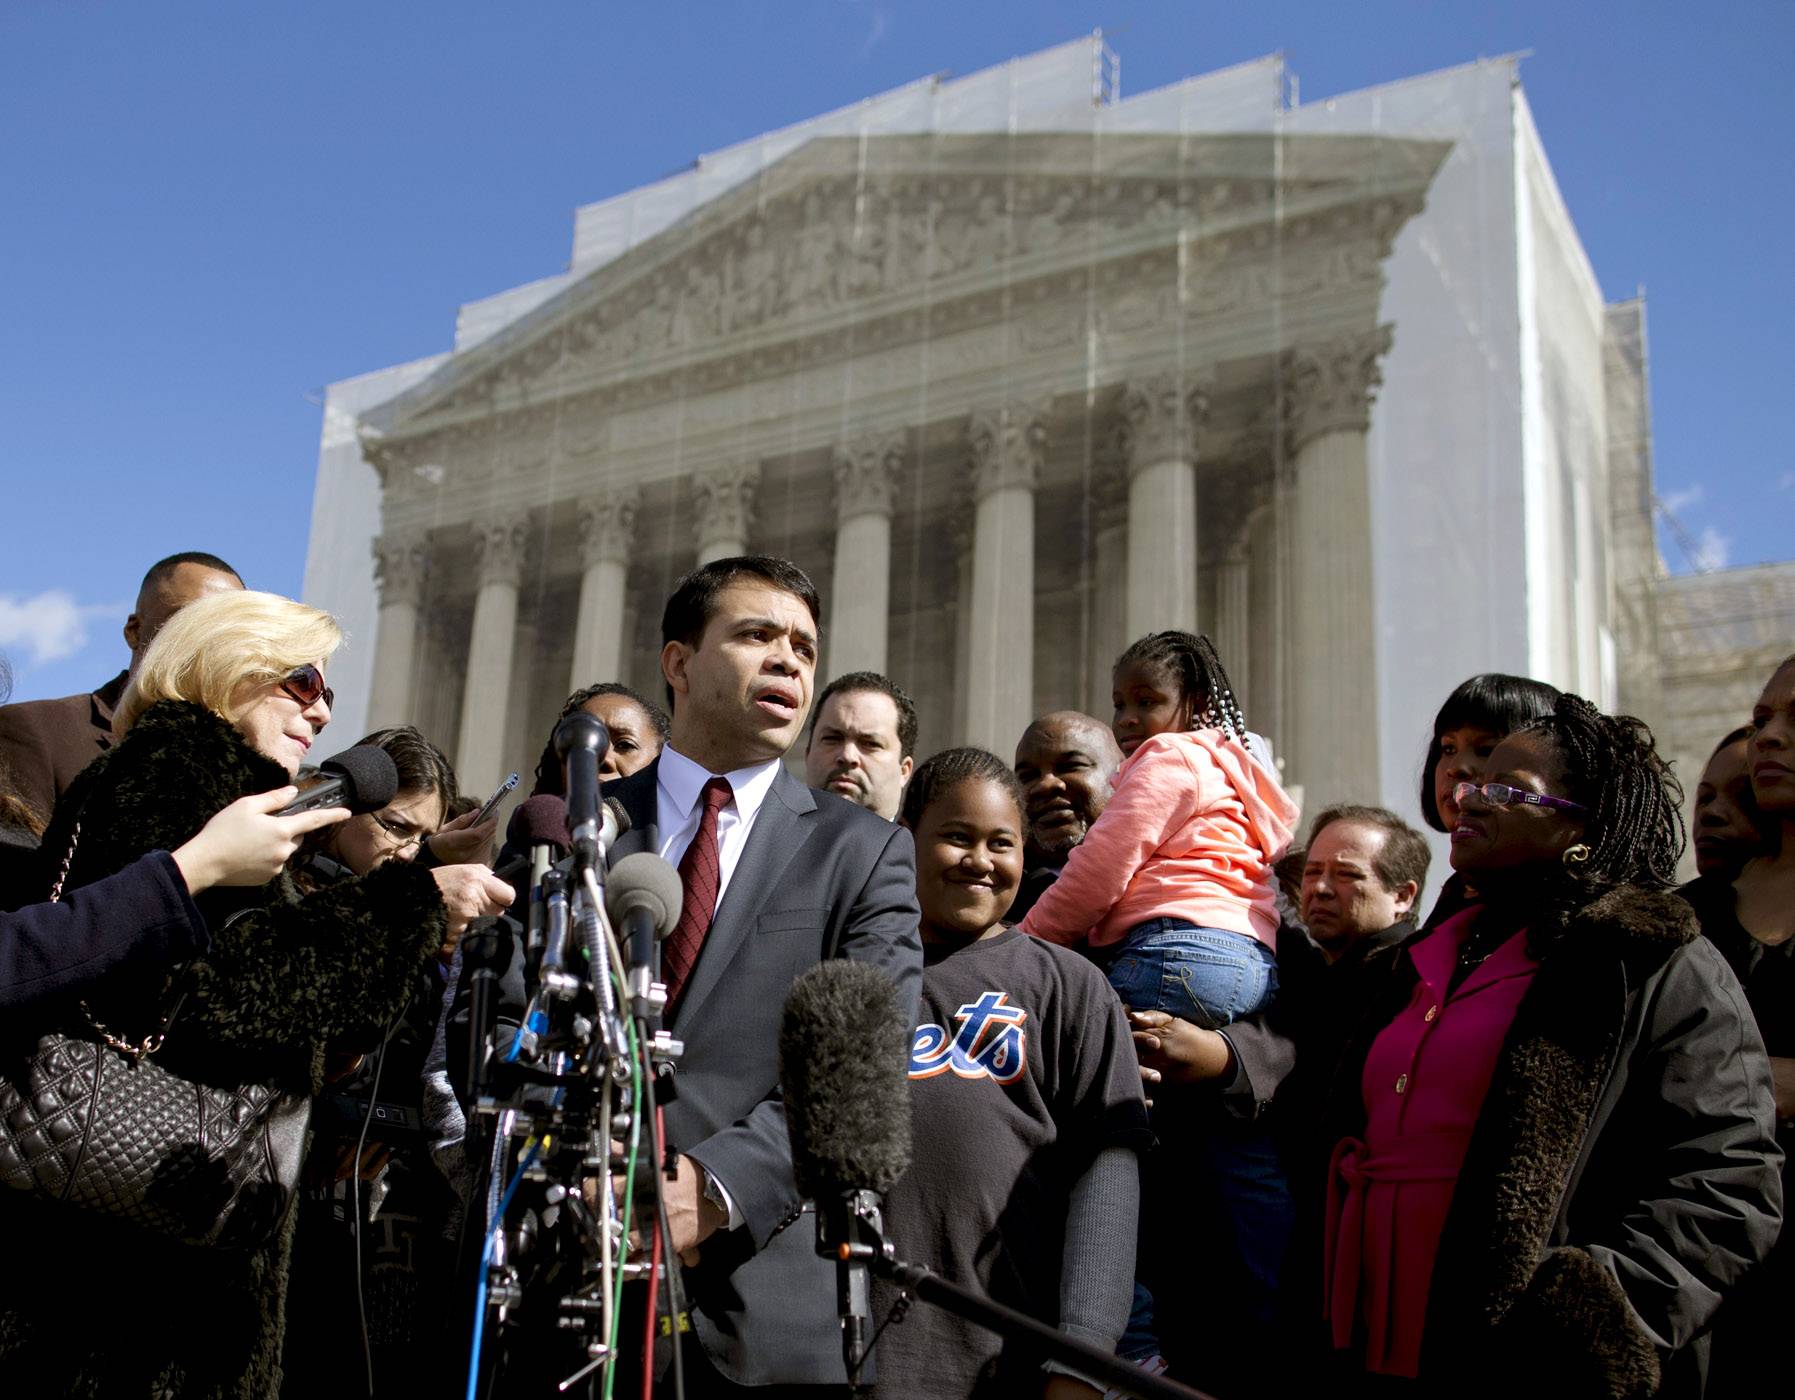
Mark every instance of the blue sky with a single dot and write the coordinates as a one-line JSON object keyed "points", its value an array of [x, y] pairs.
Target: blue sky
{"points": [[214, 209]]}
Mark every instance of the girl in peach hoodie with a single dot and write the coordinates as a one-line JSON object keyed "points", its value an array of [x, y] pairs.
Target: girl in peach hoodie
{"points": [[1178, 869]]}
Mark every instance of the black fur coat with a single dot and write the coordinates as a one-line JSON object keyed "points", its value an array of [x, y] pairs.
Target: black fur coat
{"points": [[89, 1307], [1623, 1174]]}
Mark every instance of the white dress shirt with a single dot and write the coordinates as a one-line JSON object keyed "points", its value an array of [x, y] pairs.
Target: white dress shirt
{"points": [[678, 810], [680, 783]]}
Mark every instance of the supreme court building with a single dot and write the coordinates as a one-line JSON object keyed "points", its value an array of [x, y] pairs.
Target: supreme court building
{"points": [[1018, 369]]}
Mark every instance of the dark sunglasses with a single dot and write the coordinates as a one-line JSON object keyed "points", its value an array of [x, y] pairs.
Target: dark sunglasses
{"points": [[306, 684]]}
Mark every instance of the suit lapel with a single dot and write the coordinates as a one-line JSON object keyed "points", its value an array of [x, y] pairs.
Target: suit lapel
{"points": [[782, 825]]}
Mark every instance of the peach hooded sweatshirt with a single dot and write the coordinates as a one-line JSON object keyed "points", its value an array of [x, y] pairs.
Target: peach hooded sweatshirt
{"points": [[1191, 832]]}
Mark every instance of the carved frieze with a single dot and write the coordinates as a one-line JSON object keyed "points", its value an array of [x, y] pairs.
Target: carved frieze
{"points": [[608, 525], [866, 473], [723, 502], [843, 240], [835, 257], [401, 564], [1006, 445], [501, 547], [1326, 386]]}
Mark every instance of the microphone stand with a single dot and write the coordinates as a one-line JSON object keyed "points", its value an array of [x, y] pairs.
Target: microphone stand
{"points": [[867, 1246]]}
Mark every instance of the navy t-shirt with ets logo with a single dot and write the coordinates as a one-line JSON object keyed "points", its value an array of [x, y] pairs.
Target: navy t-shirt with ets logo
{"points": [[1021, 1070]]}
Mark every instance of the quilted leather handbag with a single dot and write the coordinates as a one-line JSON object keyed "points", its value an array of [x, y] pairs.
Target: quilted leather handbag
{"points": [[90, 1120]]}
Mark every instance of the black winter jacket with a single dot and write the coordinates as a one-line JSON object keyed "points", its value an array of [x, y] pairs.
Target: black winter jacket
{"points": [[1623, 1173], [89, 1307]]}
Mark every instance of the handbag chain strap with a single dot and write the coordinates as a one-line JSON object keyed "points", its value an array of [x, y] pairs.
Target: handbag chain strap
{"points": [[152, 1042], [68, 860]]}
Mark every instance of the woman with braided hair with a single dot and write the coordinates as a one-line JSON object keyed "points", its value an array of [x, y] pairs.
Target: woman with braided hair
{"points": [[637, 726], [1552, 1136]]}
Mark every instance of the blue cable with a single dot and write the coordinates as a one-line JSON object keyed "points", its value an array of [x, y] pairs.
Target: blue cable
{"points": [[473, 1370]]}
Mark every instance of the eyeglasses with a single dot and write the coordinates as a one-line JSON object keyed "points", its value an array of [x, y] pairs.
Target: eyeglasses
{"points": [[1502, 795], [306, 684], [398, 836]]}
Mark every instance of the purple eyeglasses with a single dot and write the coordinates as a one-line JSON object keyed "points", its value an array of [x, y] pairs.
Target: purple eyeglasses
{"points": [[1502, 795]]}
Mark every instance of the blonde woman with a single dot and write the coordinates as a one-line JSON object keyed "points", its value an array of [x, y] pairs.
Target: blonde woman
{"points": [[228, 701]]}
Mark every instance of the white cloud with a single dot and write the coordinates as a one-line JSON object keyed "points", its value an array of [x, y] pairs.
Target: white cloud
{"points": [[1786, 482], [1679, 501], [49, 626], [881, 25], [1712, 549]]}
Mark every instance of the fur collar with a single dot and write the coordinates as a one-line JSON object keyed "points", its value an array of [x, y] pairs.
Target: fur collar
{"points": [[161, 783], [1627, 913]]}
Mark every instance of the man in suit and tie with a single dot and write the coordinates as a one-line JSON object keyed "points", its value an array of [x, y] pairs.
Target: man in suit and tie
{"points": [[776, 878]]}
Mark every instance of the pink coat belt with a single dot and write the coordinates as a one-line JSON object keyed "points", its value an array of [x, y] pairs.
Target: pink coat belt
{"points": [[1414, 1157]]}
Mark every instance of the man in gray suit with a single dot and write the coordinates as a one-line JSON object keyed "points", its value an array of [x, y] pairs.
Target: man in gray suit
{"points": [[776, 878]]}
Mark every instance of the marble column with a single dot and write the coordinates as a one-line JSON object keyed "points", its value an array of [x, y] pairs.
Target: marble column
{"points": [[1109, 608], [500, 547], [401, 564], [1158, 434], [1267, 585], [723, 509], [866, 473], [1006, 447], [1230, 626], [959, 530], [1327, 391], [607, 528]]}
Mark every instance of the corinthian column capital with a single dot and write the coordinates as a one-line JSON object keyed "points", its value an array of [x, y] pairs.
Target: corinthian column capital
{"points": [[608, 525], [1161, 414], [1327, 385], [1006, 445], [723, 502], [866, 473], [501, 546], [401, 564]]}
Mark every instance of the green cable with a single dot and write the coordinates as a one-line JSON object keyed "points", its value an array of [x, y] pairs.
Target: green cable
{"points": [[629, 1184]]}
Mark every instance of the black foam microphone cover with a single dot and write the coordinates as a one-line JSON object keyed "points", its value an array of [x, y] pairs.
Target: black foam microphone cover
{"points": [[581, 742], [844, 1049], [363, 779], [539, 821]]}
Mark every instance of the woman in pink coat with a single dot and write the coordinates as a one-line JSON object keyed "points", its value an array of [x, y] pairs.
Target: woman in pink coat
{"points": [[1553, 1149]]}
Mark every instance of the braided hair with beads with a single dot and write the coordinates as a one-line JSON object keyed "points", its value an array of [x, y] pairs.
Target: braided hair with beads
{"points": [[1190, 662]]}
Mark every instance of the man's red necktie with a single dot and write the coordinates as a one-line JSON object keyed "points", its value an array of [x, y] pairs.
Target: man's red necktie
{"points": [[700, 878]]}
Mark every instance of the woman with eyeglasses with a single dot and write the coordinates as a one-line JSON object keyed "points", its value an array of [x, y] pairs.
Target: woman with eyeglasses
{"points": [[360, 1170], [1552, 1136], [1476, 717], [226, 702]]}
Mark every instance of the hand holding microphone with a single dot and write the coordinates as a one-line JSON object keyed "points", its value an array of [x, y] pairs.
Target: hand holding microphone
{"points": [[248, 842]]}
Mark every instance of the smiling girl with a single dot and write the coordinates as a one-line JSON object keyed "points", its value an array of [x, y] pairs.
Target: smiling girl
{"points": [[1027, 1109]]}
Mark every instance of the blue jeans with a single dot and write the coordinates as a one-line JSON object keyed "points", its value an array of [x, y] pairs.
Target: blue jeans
{"points": [[1209, 976]]}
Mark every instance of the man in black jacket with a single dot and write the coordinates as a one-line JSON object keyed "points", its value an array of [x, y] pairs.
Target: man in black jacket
{"points": [[44, 743], [1066, 762]]}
